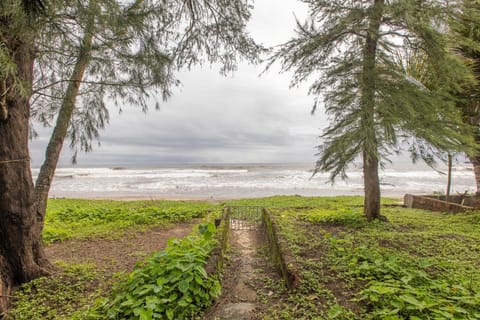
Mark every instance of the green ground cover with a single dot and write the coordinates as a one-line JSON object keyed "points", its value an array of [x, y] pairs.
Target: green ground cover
{"points": [[82, 291], [170, 284], [60, 296], [419, 265], [81, 219], [306, 202]]}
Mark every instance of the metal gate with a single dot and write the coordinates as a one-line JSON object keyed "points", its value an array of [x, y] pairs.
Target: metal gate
{"points": [[245, 217]]}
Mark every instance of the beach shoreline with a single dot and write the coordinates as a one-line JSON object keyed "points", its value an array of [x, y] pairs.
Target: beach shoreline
{"points": [[199, 198]]}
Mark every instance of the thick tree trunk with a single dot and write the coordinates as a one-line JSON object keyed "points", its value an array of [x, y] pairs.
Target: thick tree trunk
{"points": [[368, 89], [54, 148], [19, 243], [372, 187]]}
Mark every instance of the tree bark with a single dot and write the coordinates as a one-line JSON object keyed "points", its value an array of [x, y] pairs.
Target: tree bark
{"points": [[54, 148], [475, 160], [372, 187], [449, 176], [19, 244], [368, 89]]}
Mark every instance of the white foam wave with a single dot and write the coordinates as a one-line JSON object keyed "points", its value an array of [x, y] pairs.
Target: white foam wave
{"points": [[238, 182]]}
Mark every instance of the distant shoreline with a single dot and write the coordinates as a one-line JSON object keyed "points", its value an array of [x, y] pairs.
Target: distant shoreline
{"points": [[197, 198]]}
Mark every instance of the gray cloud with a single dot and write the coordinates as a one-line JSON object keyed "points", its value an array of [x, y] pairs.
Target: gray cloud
{"points": [[239, 118]]}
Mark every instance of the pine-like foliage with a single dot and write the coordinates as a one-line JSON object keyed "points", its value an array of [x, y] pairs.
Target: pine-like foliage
{"points": [[351, 49], [465, 26], [136, 47], [15, 24]]}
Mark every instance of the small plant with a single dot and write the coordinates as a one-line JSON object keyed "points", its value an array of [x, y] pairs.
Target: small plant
{"points": [[339, 216], [402, 287], [419, 265], [171, 284], [58, 296]]}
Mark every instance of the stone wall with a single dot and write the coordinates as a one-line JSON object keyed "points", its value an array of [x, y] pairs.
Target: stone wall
{"points": [[432, 204], [280, 252], [466, 200], [215, 262]]}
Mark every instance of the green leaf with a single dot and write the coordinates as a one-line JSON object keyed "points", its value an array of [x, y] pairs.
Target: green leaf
{"points": [[335, 311], [146, 314], [161, 281], [410, 299], [425, 264], [445, 314], [169, 314], [151, 302], [182, 303], [183, 286]]}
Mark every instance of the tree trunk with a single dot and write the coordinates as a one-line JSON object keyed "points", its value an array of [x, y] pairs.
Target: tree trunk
{"points": [[368, 89], [372, 187], [54, 148], [475, 160], [449, 177], [19, 243]]}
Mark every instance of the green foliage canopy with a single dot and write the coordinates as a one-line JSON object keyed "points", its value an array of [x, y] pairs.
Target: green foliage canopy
{"points": [[331, 48], [137, 47], [466, 27]]}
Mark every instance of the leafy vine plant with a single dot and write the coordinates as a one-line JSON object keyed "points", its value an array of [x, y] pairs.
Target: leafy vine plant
{"points": [[171, 284]]}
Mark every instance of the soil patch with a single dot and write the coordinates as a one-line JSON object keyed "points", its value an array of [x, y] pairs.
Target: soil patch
{"points": [[119, 254]]}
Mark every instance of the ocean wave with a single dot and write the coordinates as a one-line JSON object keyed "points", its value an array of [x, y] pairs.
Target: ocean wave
{"points": [[245, 180]]}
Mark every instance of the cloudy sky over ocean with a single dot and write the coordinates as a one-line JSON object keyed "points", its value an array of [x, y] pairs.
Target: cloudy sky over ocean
{"points": [[242, 118]]}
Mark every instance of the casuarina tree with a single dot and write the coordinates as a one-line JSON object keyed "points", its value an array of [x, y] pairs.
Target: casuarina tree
{"points": [[126, 54], [350, 49], [20, 247], [124, 51], [465, 25]]}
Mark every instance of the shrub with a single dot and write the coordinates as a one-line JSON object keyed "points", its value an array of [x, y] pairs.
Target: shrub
{"points": [[171, 284]]}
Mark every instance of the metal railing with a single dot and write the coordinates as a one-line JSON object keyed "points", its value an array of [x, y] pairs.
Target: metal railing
{"points": [[244, 217]]}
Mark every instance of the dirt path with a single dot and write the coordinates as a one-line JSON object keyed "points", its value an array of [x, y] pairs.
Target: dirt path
{"points": [[239, 298], [119, 254]]}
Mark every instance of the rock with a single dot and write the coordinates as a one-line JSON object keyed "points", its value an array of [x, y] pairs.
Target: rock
{"points": [[237, 311]]}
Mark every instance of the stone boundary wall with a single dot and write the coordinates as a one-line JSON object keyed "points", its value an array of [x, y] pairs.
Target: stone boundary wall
{"points": [[215, 262], [466, 200], [280, 253], [432, 204]]}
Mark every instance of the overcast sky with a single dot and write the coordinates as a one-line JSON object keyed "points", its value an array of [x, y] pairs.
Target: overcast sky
{"points": [[243, 118]]}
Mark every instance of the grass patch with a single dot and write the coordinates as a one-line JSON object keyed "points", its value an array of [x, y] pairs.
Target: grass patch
{"points": [[171, 284], [72, 290], [306, 202], [419, 265], [80, 219]]}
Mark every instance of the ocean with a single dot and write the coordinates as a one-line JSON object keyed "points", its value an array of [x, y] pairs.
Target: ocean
{"points": [[228, 181]]}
